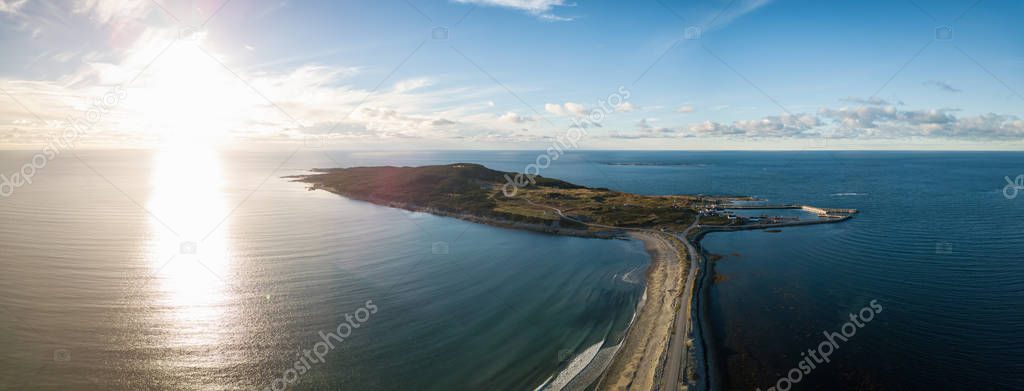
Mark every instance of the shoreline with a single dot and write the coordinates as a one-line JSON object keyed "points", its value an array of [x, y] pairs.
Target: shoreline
{"points": [[637, 360], [650, 241], [708, 374], [518, 225], [703, 366], [656, 345]]}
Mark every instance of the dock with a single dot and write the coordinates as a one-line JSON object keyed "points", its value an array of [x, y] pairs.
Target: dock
{"points": [[822, 212]]}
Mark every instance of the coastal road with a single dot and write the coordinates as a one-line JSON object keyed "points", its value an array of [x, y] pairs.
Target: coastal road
{"points": [[678, 351]]}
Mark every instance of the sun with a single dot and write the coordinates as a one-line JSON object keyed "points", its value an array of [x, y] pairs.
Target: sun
{"points": [[188, 96]]}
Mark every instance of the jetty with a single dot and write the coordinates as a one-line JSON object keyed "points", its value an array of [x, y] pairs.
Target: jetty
{"points": [[823, 212]]}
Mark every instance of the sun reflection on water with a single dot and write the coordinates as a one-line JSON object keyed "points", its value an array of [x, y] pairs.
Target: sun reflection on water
{"points": [[188, 205]]}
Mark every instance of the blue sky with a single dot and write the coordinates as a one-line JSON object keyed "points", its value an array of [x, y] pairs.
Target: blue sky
{"points": [[712, 74]]}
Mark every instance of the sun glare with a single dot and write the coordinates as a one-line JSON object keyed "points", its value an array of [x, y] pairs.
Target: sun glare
{"points": [[189, 98], [190, 103], [188, 208]]}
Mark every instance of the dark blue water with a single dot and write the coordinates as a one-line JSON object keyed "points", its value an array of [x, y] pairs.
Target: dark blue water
{"points": [[936, 243]]}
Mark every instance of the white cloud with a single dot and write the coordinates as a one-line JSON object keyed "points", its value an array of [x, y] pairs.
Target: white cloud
{"points": [[413, 84], [382, 121], [626, 107], [778, 126], [554, 108], [568, 108], [576, 108], [539, 8], [646, 128], [717, 17], [515, 118], [11, 6], [866, 123], [644, 124], [108, 11], [319, 97], [872, 101], [685, 109], [64, 56]]}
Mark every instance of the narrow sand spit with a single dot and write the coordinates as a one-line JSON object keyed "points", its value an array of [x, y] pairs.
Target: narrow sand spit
{"points": [[636, 365]]}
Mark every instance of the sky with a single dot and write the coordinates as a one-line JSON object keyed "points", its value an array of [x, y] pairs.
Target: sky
{"points": [[513, 74]]}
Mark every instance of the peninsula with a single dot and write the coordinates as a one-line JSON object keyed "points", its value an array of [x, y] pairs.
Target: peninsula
{"points": [[474, 192], [657, 350]]}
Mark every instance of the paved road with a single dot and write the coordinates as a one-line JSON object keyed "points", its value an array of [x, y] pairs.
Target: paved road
{"points": [[678, 352]]}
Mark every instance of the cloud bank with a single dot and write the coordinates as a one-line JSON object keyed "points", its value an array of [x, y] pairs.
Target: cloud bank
{"points": [[863, 122]]}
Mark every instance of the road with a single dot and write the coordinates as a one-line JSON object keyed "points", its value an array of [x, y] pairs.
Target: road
{"points": [[678, 352]]}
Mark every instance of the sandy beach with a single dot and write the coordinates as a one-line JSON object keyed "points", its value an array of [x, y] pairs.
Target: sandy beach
{"points": [[637, 365]]}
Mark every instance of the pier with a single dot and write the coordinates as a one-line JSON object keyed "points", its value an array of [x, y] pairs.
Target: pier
{"points": [[827, 215], [822, 212]]}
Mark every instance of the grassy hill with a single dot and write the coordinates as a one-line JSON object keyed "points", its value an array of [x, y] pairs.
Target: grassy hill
{"points": [[472, 189]]}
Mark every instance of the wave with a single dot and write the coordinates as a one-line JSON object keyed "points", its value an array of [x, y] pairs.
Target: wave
{"points": [[587, 367], [848, 194], [577, 365], [632, 278]]}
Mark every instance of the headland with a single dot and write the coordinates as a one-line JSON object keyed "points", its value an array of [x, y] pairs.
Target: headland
{"points": [[657, 351]]}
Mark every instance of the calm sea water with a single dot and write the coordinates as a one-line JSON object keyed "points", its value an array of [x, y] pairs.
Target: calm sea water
{"points": [[936, 244], [97, 292]]}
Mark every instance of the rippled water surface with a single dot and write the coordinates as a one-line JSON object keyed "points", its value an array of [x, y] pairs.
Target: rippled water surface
{"points": [[96, 292], [203, 270], [936, 244]]}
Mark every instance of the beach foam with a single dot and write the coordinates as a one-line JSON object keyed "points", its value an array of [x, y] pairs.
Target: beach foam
{"points": [[577, 365]]}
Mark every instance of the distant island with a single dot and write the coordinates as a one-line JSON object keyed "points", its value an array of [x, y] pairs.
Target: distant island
{"points": [[657, 351], [654, 164]]}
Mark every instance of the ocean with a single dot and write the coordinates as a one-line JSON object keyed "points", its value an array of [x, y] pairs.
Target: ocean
{"points": [[208, 270]]}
